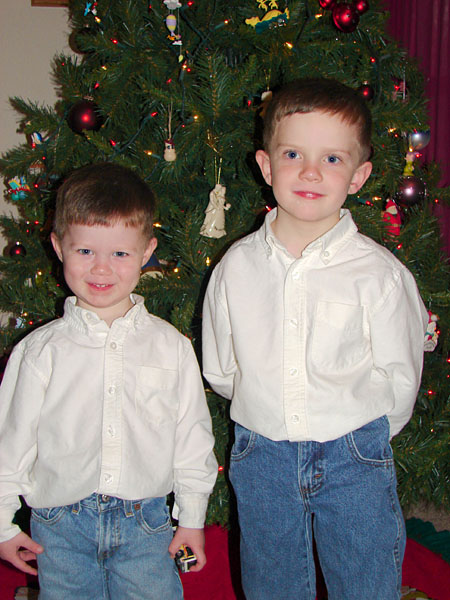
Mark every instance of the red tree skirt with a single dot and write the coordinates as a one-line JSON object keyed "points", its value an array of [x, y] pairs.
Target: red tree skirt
{"points": [[426, 571], [422, 569], [219, 580]]}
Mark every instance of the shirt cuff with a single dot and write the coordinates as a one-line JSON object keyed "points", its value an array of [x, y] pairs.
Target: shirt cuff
{"points": [[190, 510], [9, 506], [8, 531]]}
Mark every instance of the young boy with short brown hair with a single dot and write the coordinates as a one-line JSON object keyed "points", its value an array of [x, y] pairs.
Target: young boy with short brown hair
{"points": [[103, 413], [316, 334]]}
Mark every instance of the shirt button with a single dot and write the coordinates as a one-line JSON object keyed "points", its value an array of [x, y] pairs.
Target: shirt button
{"points": [[108, 478], [296, 275], [293, 322], [293, 372], [111, 431], [295, 418], [113, 345], [326, 253], [111, 390]]}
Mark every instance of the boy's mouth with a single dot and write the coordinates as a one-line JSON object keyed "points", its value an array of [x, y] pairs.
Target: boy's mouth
{"points": [[307, 194]]}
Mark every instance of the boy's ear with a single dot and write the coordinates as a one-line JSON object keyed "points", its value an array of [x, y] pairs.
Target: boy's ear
{"points": [[56, 243], [151, 247], [263, 160], [360, 176]]}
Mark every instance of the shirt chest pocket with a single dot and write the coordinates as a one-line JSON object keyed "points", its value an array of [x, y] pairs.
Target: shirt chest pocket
{"points": [[340, 338], [156, 394]]}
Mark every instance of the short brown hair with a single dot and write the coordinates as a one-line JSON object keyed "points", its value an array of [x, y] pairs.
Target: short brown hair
{"points": [[102, 193], [320, 94]]}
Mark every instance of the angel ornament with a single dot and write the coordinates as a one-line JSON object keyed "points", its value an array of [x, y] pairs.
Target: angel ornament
{"points": [[170, 153], [214, 223]]}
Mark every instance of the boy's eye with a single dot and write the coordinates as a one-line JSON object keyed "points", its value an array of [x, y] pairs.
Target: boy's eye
{"points": [[120, 253], [333, 159], [84, 251], [292, 154]]}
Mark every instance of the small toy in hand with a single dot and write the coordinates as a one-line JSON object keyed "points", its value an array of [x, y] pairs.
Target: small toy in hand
{"points": [[185, 558]]}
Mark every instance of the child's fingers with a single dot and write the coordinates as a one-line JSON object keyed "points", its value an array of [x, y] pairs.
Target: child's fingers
{"points": [[32, 547], [27, 555], [198, 567], [173, 548], [20, 563], [201, 560], [20, 549]]}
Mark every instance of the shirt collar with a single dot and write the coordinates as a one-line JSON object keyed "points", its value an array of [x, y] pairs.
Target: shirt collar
{"points": [[88, 322], [327, 244], [267, 235]]}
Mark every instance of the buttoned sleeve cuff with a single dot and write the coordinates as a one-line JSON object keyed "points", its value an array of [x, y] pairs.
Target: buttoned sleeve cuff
{"points": [[7, 528], [190, 510]]}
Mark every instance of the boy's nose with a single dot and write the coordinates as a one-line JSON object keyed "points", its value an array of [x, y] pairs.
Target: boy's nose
{"points": [[101, 266], [310, 171]]}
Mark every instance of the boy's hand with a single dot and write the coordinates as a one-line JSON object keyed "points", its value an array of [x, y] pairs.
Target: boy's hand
{"points": [[195, 539], [20, 549]]}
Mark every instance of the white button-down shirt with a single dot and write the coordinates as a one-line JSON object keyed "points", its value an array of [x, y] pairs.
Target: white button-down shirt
{"points": [[119, 411], [315, 347]]}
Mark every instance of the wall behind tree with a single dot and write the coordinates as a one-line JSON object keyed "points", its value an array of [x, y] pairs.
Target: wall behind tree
{"points": [[30, 36]]}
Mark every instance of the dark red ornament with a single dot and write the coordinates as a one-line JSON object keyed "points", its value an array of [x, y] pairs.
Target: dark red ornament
{"points": [[366, 91], [327, 4], [411, 191], [84, 115], [17, 250], [79, 38], [361, 6], [345, 17]]}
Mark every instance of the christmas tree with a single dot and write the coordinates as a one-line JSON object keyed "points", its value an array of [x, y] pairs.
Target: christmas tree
{"points": [[176, 91]]}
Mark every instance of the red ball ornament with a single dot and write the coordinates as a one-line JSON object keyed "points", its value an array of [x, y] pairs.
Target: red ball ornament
{"points": [[327, 4], [345, 17], [78, 38], [17, 250], [366, 91], [361, 6], [84, 115], [411, 191]]}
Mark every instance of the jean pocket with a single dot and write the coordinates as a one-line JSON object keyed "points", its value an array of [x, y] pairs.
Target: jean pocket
{"points": [[370, 444], [153, 515], [48, 515], [244, 441]]}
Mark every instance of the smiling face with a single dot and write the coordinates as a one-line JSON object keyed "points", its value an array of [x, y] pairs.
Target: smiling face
{"points": [[102, 265], [313, 162]]}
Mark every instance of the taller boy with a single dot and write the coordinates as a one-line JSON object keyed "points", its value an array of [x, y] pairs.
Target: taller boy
{"points": [[316, 333]]}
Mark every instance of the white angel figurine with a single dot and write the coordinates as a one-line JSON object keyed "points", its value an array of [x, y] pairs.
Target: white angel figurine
{"points": [[214, 223]]}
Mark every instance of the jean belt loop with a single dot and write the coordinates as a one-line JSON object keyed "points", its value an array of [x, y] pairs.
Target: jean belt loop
{"points": [[76, 508], [128, 508]]}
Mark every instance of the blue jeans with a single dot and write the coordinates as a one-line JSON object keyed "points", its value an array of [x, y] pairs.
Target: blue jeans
{"points": [[343, 492], [106, 548]]}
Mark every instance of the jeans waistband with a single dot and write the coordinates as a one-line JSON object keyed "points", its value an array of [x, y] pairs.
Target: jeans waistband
{"points": [[102, 503]]}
